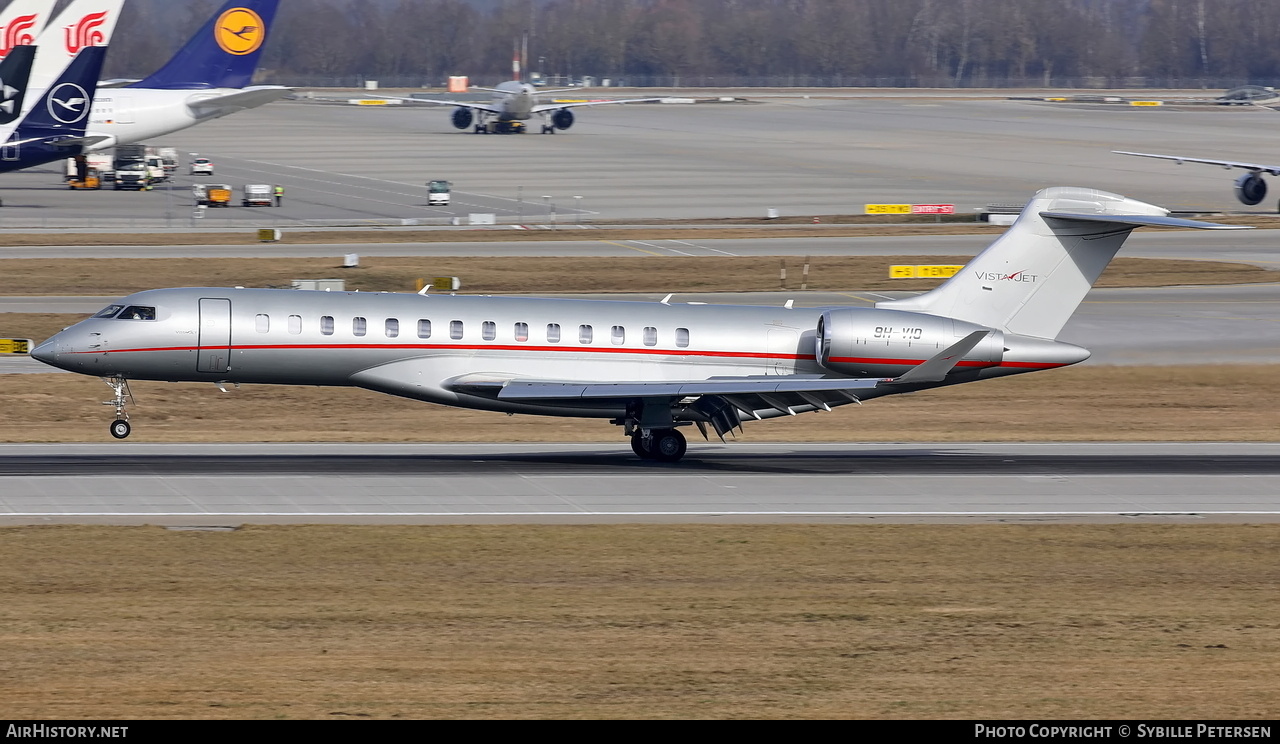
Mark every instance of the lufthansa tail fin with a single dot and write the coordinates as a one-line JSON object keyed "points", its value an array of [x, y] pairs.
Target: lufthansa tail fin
{"points": [[63, 111], [222, 54], [1031, 279]]}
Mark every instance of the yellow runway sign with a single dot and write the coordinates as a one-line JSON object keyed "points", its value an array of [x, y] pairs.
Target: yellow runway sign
{"points": [[15, 346], [926, 271], [888, 209]]}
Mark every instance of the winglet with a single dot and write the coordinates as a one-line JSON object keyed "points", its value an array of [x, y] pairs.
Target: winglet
{"points": [[936, 368]]}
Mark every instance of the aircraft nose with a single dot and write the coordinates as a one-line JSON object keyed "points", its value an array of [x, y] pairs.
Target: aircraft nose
{"points": [[45, 352]]}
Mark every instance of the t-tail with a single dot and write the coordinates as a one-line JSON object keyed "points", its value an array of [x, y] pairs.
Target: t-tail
{"points": [[63, 111], [1032, 278], [222, 54]]}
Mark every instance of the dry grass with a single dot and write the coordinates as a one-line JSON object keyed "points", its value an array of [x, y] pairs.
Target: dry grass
{"points": [[659, 621], [487, 275], [1090, 403]]}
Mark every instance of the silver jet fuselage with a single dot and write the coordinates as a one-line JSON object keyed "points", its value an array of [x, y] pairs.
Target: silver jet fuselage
{"points": [[439, 347]]}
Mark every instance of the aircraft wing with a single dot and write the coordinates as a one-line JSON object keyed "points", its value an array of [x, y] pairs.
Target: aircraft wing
{"points": [[557, 106], [519, 389], [1228, 164], [486, 107], [203, 106]]}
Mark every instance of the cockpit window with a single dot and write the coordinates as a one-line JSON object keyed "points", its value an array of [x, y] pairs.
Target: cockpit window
{"points": [[138, 312], [109, 311]]}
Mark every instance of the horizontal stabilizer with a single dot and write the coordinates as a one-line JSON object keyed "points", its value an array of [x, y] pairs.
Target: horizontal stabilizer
{"points": [[204, 105], [937, 367], [1141, 220]]}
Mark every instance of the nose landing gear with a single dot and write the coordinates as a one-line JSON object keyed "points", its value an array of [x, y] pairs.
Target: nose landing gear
{"points": [[120, 427]]}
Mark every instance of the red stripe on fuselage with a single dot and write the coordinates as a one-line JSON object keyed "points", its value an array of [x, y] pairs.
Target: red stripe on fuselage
{"points": [[577, 349]]}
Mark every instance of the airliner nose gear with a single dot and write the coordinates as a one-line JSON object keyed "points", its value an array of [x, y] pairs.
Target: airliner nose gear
{"points": [[120, 427]]}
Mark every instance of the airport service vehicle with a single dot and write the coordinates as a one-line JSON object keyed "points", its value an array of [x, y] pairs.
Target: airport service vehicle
{"points": [[201, 167], [168, 158], [257, 195], [132, 169], [649, 367], [218, 195], [90, 179], [101, 162], [438, 193]]}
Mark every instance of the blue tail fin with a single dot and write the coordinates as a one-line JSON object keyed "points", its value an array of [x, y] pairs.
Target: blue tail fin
{"points": [[15, 71], [222, 54], [64, 108]]}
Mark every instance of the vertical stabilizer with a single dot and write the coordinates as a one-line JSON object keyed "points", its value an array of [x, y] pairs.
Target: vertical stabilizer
{"points": [[1031, 279], [222, 54], [15, 71], [81, 24], [21, 22], [63, 110]]}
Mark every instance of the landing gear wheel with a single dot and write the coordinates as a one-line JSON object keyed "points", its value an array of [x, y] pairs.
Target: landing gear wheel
{"points": [[638, 446], [668, 445], [120, 429], [548, 129]]}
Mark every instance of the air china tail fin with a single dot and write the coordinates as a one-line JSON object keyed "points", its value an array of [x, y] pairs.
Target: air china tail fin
{"points": [[81, 24], [21, 22], [64, 109], [222, 54], [1031, 279]]}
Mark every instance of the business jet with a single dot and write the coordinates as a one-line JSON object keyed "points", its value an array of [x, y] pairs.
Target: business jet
{"points": [[206, 79], [21, 22], [1250, 187], [648, 367]]}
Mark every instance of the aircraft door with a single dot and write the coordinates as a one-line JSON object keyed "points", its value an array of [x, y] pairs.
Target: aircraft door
{"points": [[11, 152], [214, 353]]}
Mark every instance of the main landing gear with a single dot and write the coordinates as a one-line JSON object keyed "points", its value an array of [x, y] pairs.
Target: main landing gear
{"points": [[120, 427], [663, 445]]}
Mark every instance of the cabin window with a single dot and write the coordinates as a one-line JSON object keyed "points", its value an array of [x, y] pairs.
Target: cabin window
{"points": [[138, 312], [618, 335], [392, 327], [326, 325], [522, 331], [553, 333], [262, 322], [295, 324], [584, 334], [488, 330], [682, 337], [650, 336], [455, 329], [109, 311], [359, 326], [424, 328]]}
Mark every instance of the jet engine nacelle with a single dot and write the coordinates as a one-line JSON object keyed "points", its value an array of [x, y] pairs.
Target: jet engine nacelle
{"points": [[886, 343], [462, 117], [1251, 188], [562, 119]]}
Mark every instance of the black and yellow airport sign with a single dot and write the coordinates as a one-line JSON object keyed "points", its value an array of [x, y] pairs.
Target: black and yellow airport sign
{"points": [[1146, 103], [887, 209], [926, 271], [15, 346]]}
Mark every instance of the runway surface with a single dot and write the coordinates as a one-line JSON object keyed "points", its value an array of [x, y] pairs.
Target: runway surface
{"points": [[214, 485]]}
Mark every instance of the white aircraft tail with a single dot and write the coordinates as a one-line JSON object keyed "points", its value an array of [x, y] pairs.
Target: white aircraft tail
{"points": [[1032, 278]]}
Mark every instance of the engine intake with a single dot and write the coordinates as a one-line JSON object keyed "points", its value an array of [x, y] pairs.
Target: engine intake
{"points": [[1251, 188], [562, 119], [462, 117]]}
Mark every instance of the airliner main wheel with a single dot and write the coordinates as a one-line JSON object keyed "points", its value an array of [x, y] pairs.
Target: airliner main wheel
{"points": [[638, 447], [120, 429], [668, 445]]}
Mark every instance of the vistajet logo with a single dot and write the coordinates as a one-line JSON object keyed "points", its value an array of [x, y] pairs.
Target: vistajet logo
{"points": [[995, 276]]}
